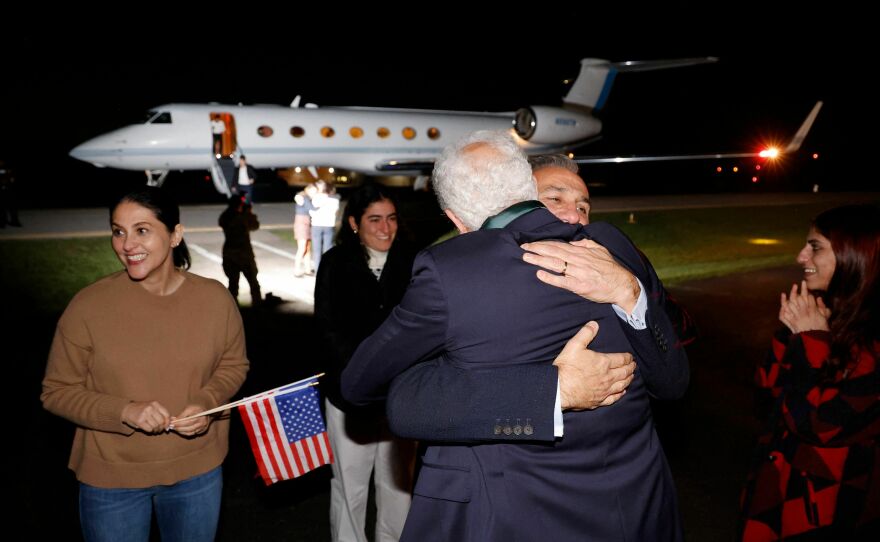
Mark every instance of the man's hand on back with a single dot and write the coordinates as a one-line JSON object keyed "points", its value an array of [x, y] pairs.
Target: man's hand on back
{"points": [[588, 379]]}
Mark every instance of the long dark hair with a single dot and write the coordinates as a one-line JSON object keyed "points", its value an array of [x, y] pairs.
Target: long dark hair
{"points": [[166, 210], [854, 290], [358, 201]]}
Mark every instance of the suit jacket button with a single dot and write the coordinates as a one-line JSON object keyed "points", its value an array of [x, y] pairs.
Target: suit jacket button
{"points": [[497, 429], [528, 429], [507, 430], [517, 429]]}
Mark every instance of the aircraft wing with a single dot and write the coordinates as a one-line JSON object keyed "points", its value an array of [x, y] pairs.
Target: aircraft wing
{"points": [[793, 145]]}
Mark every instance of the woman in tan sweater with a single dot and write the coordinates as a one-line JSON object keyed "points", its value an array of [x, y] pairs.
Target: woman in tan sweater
{"points": [[133, 353]]}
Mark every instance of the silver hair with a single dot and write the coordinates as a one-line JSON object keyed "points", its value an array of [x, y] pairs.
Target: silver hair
{"points": [[541, 161], [476, 186]]}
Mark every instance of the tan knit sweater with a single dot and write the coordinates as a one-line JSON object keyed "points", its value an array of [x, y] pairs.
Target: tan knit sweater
{"points": [[117, 343]]}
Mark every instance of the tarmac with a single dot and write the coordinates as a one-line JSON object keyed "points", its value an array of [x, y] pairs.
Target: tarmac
{"points": [[708, 435]]}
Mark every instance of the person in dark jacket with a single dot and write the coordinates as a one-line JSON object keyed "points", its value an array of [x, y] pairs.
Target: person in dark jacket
{"points": [[237, 221], [359, 281]]}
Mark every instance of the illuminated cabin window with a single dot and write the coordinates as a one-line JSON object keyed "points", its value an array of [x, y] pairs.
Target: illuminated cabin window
{"points": [[409, 133], [327, 131], [356, 132], [297, 131], [265, 131], [434, 133], [383, 132]]}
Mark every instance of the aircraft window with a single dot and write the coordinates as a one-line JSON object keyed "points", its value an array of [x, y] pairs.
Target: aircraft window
{"points": [[356, 132], [163, 118], [409, 133], [265, 131], [383, 132], [297, 131], [327, 131], [145, 118], [433, 133]]}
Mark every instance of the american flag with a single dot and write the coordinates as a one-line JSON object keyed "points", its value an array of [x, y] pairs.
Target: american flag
{"points": [[287, 432]]}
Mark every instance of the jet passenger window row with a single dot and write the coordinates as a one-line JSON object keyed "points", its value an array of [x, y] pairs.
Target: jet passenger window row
{"points": [[356, 132]]}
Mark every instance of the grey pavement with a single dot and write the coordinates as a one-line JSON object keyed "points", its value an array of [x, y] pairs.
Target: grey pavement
{"points": [[275, 255], [92, 222]]}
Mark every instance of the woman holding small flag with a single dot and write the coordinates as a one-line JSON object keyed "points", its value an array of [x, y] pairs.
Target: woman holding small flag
{"points": [[132, 354]]}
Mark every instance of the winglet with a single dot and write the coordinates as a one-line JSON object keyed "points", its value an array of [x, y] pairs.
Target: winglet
{"points": [[801, 134]]}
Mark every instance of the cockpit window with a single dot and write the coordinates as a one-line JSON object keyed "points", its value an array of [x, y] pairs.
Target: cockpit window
{"points": [[163, 118], [145, 117]]}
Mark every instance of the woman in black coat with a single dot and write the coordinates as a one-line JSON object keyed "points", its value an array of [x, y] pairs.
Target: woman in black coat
{"points": [[359, 281]]}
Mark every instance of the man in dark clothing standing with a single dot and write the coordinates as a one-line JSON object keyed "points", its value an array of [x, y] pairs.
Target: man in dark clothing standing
{"points": [[237, 222], [245, 177]]}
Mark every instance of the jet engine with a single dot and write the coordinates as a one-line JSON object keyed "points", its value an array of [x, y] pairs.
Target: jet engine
{"points": [[545, 125]]}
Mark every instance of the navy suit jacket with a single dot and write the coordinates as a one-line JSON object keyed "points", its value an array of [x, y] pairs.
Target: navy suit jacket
{"points": [[474, 303]]}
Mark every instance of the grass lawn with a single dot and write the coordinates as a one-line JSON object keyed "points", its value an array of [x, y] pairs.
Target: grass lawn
{"points": [[682, 244], [699, 243], [45, 274]]}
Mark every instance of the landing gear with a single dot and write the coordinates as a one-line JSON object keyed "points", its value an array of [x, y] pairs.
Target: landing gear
{"points": [[156, 181]]}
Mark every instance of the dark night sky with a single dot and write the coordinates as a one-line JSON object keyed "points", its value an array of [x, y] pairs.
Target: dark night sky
{"points": [[65, 84]]}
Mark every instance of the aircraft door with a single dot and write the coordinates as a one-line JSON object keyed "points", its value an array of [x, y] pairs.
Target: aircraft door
{"points": [[223, 134]]}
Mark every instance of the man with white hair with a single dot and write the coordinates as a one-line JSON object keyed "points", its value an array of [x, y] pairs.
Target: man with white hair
{"points": [[474, 302], [422, 406]]}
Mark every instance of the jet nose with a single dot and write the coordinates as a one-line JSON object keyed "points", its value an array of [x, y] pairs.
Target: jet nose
{"points": [[80, 152], [100, 151]]}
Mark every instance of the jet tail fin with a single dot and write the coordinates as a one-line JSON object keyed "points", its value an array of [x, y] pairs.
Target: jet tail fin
{"points": [[593, 83], [802, 132]]}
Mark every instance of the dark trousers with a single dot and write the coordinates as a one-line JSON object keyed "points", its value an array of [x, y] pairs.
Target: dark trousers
{"points": [[233, 267]]}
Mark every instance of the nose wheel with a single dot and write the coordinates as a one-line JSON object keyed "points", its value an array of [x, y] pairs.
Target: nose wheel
{"points": [[155, 177]]}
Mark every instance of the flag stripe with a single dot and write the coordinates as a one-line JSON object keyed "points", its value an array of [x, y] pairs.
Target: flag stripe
{"points": [[297, 456], [301, 454], [270, 440], [324, 443], [279, 439], [265, 452], [313, 455], [263, 460], [249, 428]]}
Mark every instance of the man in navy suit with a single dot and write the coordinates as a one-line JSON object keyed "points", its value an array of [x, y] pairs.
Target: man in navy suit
{"points": [[421, 403], [474, 302]]}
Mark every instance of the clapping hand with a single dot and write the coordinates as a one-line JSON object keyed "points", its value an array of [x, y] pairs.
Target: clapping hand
{"points": [[802, 311]]}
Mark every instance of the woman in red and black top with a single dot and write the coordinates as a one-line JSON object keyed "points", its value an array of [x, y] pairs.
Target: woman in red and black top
{"points": [[817, 470]]}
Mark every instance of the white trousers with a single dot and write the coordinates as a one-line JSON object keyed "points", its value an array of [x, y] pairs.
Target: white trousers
{"points": [[362, 446]]}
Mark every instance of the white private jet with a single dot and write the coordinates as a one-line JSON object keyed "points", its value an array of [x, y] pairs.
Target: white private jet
{"points": [[371, 141]]}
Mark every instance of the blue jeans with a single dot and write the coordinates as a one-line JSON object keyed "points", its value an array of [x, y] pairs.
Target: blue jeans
{"points": [[322, 241], [187, 511]]}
